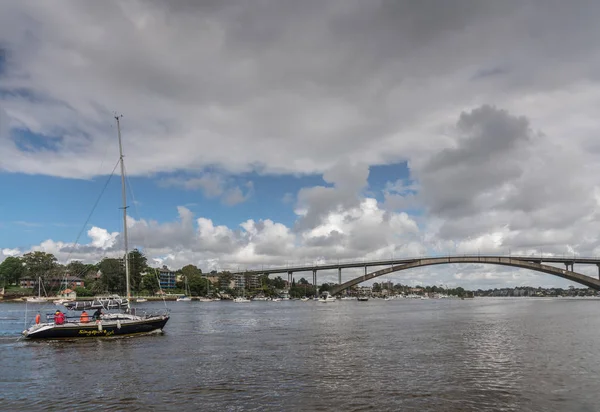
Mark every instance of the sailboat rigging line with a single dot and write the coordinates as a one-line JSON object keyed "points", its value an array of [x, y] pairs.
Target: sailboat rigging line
{"points": [[93, 209]]}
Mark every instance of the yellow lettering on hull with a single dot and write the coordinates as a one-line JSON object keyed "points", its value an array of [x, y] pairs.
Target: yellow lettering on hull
{"points": [[96, 332]]}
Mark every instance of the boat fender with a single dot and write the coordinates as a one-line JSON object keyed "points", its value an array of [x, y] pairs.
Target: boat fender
{"points": [[118, 324], [100, 326]]}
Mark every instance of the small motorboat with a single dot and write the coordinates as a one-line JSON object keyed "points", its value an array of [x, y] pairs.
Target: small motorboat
{"points": [[326, 297]]}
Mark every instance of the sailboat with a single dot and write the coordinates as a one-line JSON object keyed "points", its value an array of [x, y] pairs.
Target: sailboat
{"points": [[207, 298], [123, 322], [39, 298], [186, 297]]}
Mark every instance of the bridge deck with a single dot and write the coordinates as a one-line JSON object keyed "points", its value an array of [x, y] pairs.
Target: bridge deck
{"points": [[394, 262]]}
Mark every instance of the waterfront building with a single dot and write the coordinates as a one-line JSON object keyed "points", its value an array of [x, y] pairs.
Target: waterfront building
{"points": [[167, 278]]}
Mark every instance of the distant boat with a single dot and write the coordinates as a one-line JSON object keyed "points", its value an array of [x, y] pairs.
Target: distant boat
{"points": [[304, 299], [39, 298], [326, 298], [362, 298], [186, 297], [241, 299]]}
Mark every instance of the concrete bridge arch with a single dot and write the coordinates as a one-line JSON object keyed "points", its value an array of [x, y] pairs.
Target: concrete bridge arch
{"points": [[496, 260]]}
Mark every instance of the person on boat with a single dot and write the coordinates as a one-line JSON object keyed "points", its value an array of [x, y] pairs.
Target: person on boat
{"points": [[59, 317], [84, 318], [38, 317], [97, 314]]}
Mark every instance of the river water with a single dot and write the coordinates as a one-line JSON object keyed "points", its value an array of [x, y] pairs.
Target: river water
{"points": [[423, 355]]}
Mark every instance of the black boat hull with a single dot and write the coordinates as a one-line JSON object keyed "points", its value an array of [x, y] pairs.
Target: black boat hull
{"points": [[94, 330]]}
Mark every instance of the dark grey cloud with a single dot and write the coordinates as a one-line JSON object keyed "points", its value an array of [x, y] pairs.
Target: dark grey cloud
{"points": [[489, 153], [313, 79]]}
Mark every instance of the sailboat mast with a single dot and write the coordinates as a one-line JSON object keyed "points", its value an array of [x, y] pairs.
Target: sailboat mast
{"points": [[124, 195]]}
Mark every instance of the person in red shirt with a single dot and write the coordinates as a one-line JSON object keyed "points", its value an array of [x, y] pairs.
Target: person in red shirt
{"points": [[59, 318]]}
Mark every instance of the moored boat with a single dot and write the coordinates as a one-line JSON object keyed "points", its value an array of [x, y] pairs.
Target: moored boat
{"points": [[326, 297], [39, 298]]}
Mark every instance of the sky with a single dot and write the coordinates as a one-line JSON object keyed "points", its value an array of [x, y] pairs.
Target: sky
{"points": [[273, 133]]}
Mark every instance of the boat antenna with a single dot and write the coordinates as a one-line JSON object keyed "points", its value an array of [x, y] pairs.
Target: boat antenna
{"points": [[124, 195]]}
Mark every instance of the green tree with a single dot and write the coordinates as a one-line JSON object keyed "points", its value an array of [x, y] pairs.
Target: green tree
{"points": [[197, 284], [190, 270], [278, 283], [150, 282], [113, 275], [138, 264], [77, 268], [40, 264], [303, 281], [83, 292], [11, 270]]}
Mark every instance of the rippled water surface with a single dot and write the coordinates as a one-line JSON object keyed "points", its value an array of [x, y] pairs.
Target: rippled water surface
{"points": [[425, 355]]}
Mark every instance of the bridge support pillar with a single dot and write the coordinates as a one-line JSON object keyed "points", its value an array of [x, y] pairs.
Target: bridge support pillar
{"points": [[290, 274], [315, 282], [598, 270], [340, 275]]}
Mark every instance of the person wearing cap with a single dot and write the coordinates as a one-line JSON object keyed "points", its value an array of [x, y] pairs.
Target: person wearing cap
{"points": [[59, 318]]}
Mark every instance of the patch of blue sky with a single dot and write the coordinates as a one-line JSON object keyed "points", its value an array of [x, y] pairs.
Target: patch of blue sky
{"points": [[44, 207], [27, 141], [380, 177], [272, 197]]}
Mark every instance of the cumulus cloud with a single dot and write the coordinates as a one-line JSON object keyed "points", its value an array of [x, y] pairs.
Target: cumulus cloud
{"points": [[347, 180]]}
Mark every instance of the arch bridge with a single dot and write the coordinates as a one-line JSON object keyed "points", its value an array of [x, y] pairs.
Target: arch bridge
{"points": [[396, 265], [505, 261]]}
